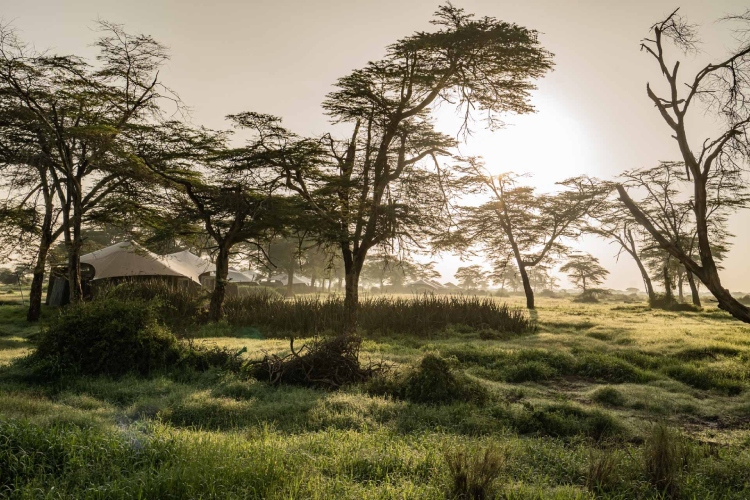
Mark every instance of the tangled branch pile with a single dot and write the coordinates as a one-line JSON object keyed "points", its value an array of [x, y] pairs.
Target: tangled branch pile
{"points": [[327, 364]]}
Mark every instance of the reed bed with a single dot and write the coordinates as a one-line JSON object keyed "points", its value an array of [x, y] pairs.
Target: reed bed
{"points": [[421, 315]]}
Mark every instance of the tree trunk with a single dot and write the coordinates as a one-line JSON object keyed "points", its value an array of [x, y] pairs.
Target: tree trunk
{"points": [[37, 282], [526, 286], [668, 285], [352, 268], [680, 282], [290, 280], [646, 280], [693, 289], [74, 269], [216, 307]]}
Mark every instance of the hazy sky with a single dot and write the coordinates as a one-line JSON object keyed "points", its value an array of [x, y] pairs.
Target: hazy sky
{"points": [[283, 56]]}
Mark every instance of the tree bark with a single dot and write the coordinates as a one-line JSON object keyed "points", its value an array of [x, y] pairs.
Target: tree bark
{"points": [[680, 283], [37, 282], [646, 280], [526, 286], [290, 279], [46, 239], [352, 267], [216, 307], [668, 285], [693, 289]]}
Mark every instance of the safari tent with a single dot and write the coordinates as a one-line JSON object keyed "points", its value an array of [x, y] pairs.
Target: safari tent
{"points": [[125, 260]]}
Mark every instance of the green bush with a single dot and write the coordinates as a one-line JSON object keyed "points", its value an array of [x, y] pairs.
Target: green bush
{"points": [[106, 337], [179, 307], [660, 301], [431, 382]]}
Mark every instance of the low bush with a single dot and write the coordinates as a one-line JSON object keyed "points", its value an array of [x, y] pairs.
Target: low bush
{"points": [[179, 307], [592, 295], [431, 382], [106, 337], [661, 301]]}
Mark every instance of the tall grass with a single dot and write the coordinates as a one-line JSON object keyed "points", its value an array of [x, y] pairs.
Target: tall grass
{"points": [[423, 315]]}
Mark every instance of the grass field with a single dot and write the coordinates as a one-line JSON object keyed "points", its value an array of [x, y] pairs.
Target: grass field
{"points": [[576, 410]]}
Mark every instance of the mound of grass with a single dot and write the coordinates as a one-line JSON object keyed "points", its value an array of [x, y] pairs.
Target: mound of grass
{"points": [[566, 420], [609, 396], [537, 365], [431, 382], [705, 378]]}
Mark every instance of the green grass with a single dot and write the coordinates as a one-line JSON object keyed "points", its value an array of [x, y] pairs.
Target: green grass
{"points": [[570, 410]]}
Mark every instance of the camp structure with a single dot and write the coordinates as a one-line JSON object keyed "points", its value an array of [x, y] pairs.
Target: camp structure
{"points": [[425, 286], [118, 262], [300, 284]]}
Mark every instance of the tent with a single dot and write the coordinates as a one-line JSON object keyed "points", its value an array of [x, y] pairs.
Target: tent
{"points": [[203, 266], [129, 259]]}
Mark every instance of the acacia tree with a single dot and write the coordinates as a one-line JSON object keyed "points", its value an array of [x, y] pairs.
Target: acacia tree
{"points": [[723, 87], [670, 210], [225, 192], [530, 227], [76, 113], [472, 277], [385, 182], [584, 270], [613, 221]]}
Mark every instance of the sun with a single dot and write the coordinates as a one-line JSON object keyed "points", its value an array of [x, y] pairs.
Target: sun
{"points": [[552, 144]]}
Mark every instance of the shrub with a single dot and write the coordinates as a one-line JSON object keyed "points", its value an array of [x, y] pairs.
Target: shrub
{"points": [[108, 337], [431, 382], [473, 472], [179, 307], [660, 301], [592, 295]]}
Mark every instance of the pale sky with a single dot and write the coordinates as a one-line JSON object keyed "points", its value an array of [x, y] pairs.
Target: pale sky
{"points": [[283, 56]]}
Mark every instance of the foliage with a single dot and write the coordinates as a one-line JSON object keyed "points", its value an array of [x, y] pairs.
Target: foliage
{"points": [[433, 382], [520, 225], [178, 307], [583, 269], [106, 337], [471, 277]]}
